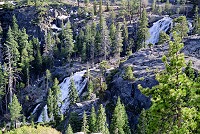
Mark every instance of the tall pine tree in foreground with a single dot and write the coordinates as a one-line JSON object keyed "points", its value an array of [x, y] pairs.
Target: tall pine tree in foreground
{"points": [[85, 127], [174, 108], [119, 122], [92, 120], [69, 130], [15, 110], [101, 124]]}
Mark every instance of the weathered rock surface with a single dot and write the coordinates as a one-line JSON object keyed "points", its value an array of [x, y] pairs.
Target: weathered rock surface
{"points": [[145, 63]]}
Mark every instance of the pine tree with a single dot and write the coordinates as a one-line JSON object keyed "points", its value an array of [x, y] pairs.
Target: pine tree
{"points": [[142, 127], [73, 94], [128, 74], [15, 28], [173, 99], [163, 38], [196, 21], [69, 130], [67, 41], [2, 87], [37, 55], [181, 26], [92, 121], [189, 71], [50, 103], [101, 124], [127, 48], [117, 47], [104, 39], [15, 109], [79, 42], [48, 78], [56, 99], [143, 32], [85, 127], [26, 54], [153, 6], [119, 122], [112, 35], [90, 89], [12, 56]]}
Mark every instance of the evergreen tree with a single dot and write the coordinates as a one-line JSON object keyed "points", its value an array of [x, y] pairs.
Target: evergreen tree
{"points": [[163, 38], [2, 87], [37, 55], [117, 48], [112, 35], [119, 120], [73, 94], [100, 7], [196, 21], [12, 56], [128, 74], [26, 54], [90, 89], [153, 6], [104, 39], [56, 99], [15, 28], [167, 6], [101, 124], [181, 26], [85, 127], [79, 42], [50, 103], [48, 78], [173, 98], [142, 127], [67, 41], [189, 71], [92, 121], [143, 32], [69, 130], [127, 48], [15, 109]]}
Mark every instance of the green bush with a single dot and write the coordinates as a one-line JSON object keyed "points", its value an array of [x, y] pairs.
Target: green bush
{"points": [[128, 74], [32, 130]]}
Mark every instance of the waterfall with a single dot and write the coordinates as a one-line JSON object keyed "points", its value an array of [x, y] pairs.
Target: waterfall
{"points": [[161, 25], [80, 84], [64, 87]]}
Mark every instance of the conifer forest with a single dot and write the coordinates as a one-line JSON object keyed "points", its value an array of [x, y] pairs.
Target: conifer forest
{"points": [[99, 66]]}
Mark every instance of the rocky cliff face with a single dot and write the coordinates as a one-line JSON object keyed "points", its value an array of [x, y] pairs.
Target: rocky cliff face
{"points": [[145, 64]]}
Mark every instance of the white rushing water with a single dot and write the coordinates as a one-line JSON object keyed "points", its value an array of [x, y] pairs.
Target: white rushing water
{"points": [[64, 87], [80, 84], [161, 25], [44, 115]]}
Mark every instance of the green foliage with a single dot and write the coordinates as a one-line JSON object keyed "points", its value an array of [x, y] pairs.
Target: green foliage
{"points": [[67, 41], [128, 74], [181, 26], [119, 122], [90, 89], [196, 21], [163, 38], [174, 97], [75, 122], [15, 109], [73, 94], [69, 130], [117, 44], [143, 31], [85, 127], [189, 71], [56, 95], [101, 124], [92, 120], [33, 130]]}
